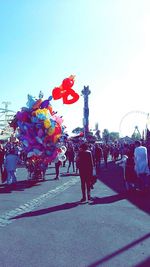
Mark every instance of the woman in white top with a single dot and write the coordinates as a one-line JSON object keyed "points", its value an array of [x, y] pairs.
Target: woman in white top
{"points": [[141, 163]]}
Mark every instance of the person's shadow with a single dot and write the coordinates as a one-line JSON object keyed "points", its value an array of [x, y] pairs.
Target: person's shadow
{"points": [[19, 186], [61, 207], [108, 199]]}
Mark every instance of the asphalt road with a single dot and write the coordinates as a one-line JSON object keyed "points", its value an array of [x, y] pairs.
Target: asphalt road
{"points": [[43, 223]]}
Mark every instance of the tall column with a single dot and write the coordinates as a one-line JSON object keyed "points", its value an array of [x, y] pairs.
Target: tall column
{"points": [[85, 92]]}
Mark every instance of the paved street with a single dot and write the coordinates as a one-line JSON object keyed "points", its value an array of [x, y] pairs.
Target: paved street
{"points": [[43, 223]]}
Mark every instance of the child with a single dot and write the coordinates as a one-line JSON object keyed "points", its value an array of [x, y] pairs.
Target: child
{"points": [[127, 163]]}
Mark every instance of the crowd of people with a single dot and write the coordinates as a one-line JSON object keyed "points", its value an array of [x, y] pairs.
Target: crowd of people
{"points": [[135, 162], [83, 159]]}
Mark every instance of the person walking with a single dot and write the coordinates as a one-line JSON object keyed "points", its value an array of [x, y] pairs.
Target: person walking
{"points": [[130, 174], [85, 164], [141, 164], [70, 156], [10, 163], [2, 153], [76, 151], [98, 155], [105, 155], [127, 163], [58, 163]]}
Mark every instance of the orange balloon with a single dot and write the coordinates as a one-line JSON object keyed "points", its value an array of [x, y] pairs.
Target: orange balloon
{"points": [[37, 104], [56, 137], [50, 109]]}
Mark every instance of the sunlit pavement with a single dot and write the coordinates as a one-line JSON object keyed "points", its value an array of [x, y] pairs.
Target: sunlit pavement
{"points": [[43, 223]]}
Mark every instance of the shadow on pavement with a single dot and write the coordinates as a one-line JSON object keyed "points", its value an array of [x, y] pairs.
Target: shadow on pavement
{"points": [[107, 200], [61, 207], [62, 174], [145, 263], [19, 186], [113, 178], [69, 174], [51, 173], [119, 251]]}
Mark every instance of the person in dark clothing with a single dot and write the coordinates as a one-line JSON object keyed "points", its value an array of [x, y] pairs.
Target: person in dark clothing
{"points": [[130, 174], [70, 156], [85, 163], [98, 155], [57, 168], [2, 153], [10, 163], [105, 155]]}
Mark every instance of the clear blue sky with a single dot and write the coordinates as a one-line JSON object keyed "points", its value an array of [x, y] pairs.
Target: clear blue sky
{"points": [[105, 43]]}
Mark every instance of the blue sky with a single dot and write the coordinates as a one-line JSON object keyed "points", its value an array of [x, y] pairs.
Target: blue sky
{"points": [[105, 43]]}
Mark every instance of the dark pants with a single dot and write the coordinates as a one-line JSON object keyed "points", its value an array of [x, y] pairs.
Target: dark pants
{"points": [[71, 162], [1, 168], [57, 165], [85, 186], [106, 161]]}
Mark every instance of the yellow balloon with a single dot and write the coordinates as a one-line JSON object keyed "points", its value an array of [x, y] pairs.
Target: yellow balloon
{"points": [[38, 111], [51, 131], [47, 124]]}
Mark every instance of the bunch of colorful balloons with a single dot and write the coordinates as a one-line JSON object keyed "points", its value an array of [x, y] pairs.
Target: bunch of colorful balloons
{"points": [[39, 127]]}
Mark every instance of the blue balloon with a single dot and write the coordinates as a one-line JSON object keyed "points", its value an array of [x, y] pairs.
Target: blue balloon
{"points": [[34, 119], [37, 151], [44, 104], [41, 116], [31, 101], [25, 142], [39, 140]]}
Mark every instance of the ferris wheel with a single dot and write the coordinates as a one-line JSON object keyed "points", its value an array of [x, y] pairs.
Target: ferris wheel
{"points": [[132, 120]]}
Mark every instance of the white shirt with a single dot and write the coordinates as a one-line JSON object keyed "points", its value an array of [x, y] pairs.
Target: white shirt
{"points": [[141, 160]]}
